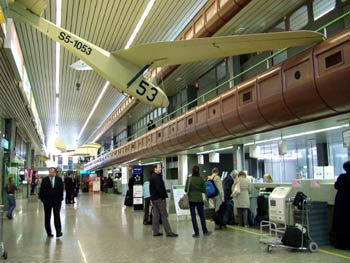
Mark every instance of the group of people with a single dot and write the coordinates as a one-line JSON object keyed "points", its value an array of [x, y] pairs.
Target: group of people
{"points": [[72, 187], [236, 187], [233, 190]]}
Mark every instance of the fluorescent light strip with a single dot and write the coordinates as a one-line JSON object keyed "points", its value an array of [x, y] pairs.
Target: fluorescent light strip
{"points": [[94, 108], [298, 134], [133, 160], [216, 150], [57, 115], [57, 75], [150, 163], [140, 23]]}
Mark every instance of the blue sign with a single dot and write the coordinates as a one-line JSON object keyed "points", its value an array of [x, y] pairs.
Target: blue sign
{"points": [[137, 169]]}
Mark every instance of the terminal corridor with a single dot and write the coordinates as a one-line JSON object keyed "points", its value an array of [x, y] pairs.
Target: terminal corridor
{"points": [[98, 228]]}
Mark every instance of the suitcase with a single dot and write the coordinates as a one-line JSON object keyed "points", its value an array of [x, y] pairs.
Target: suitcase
{"points": [[218, 216], [128, 199], [294, 237]]}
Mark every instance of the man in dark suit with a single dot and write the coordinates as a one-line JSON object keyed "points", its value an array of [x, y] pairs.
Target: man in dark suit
{"points": [[158, 197], [51, 194]]}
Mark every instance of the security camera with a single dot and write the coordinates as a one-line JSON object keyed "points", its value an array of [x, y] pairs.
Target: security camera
{"points": [[77, 86]]}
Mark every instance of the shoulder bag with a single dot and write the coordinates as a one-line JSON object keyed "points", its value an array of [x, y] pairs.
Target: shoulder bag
{"points": [[184, 203]]}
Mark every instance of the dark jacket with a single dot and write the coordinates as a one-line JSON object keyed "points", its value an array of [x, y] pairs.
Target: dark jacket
{"points": [[50, 195], [157, 187], [227, 186], [341, 216], [196, 188]]}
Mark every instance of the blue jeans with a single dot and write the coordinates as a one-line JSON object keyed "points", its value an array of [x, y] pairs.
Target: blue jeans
{"points": [[12, 204], [200, 210]]}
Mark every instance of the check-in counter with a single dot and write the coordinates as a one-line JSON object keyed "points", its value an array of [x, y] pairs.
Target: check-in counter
{"points": [[317, 190]]}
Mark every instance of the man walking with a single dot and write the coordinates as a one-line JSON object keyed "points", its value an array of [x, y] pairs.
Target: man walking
{"points": [[158, 198], [51, 194]]}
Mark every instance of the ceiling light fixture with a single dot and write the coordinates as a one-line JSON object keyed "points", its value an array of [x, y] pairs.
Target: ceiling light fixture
{"points": [[140, 23], [150, 163], [94, 108], [298, 134], [216, 150]]}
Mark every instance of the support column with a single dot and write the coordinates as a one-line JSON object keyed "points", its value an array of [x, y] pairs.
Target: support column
{"points": [[12, 138], [28, 163], [238, 157], [322, 154], [2, 173]]}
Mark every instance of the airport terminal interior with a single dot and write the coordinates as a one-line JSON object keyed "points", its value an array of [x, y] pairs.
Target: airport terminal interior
{"points": [[105, 90]]}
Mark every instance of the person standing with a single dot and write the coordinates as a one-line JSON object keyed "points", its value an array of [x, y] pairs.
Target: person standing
{"points": [[158, 198], [147, 201], [69, 186], [341, 216], [11, 196], [195, 186], [227, 184], [240, 193], [219, 198], [51, 194]]}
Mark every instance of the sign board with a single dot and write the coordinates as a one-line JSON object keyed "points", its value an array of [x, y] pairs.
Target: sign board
{"points": [[96, 185], [318, 172], [328, 172], [296, 183], [315, 184], [214, 157], [178, 192], [137, 169], [124, 175], [137, 197]]}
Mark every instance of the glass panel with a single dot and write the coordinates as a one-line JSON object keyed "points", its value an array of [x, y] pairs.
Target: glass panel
{"points": [[322, 7], [299, 18], [221, 71]]}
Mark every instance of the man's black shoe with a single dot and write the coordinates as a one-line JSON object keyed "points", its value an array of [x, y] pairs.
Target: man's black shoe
{"points": [[157, 234], [59, 234], [49, 235], [171, 235]]}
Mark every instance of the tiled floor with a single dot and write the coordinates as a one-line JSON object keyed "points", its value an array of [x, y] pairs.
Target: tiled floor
{"points": [[99, 229]]}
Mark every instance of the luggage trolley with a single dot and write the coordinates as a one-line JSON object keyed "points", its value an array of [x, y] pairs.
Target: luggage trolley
{"points": [[3, 251], [276, 234]]}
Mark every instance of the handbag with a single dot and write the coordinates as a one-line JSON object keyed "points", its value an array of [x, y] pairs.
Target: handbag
{"points": [[236, 190], [184, 203]]}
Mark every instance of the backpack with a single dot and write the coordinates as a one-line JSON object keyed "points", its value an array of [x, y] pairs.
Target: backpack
{"points": [[210, 189]]}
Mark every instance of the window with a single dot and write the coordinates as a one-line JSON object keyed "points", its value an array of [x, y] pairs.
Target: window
{"points": [[299, 18], [279, 27], [221, 71], [322, 7]]}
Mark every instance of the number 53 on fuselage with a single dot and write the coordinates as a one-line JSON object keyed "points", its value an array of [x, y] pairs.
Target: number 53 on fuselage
{"points": [[124, 68]]}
